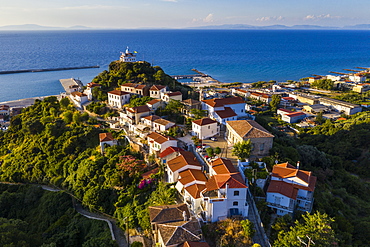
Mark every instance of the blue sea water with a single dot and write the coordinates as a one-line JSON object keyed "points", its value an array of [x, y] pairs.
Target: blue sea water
{"points": [[227, 55]]}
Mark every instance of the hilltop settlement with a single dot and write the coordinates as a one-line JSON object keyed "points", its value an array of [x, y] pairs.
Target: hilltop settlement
{"points": [[203, 163]]}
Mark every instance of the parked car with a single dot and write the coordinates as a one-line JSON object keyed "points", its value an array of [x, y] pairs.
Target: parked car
{"points": [[213, 138]]}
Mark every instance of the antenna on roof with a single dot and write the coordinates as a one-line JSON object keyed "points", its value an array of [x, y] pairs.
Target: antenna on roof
{"points": [[298, 164]]}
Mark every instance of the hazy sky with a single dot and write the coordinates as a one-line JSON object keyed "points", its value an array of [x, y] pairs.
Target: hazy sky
{"points": [[182, 13]]}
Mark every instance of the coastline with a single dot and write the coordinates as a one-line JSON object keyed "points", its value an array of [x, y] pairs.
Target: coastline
{"points": [[24, 102]]}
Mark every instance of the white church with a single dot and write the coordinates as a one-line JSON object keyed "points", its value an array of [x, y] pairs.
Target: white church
{"points": [[127, 56]]}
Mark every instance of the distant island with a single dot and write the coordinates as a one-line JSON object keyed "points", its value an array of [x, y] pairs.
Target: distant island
{"points": [[35, 27]]}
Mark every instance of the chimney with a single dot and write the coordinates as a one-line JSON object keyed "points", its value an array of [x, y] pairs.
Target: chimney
{"points": [[184, 216], [298, 165]]}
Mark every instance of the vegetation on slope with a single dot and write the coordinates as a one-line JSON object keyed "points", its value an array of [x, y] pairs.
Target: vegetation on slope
{"points": [[30, 216], [138, 72], [337, 152], [51, 143]]}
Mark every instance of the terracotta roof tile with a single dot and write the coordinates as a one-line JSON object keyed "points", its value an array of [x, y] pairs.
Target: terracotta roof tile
{"points": [[195, 190], [228, 112], [191, 175], [153, 101], [219, 181], [158, 138], [223, 166], [283, 188], [169, 151], [176, 233], [147, 175], [223, 101], [152, 118], [162, 121], [168, 213], [295, 114], [139, 109], [204, 121], [286, 170], [118, 92], [185, 158], [173, 93], [156, 87], [248, 129], [106, 137]]}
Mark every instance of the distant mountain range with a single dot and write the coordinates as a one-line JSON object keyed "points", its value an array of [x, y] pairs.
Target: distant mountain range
{"points": [[242, 26], [38, 27], [225, 26]]}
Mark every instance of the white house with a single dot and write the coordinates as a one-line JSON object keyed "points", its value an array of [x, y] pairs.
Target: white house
{"points": [[357, 78], [89, 88], [237, 104], [169, 153], [221, 166], [205, 128], [118, 98], [222, 116], [4, 110], [185, 160], [155, 91], [341, 106], [154, 104], [293, 117], [162, 125], [166, 97], [149, 120], [106, 139], [261, 97], [133, 88], [158, 142], [79, 98], [225, 196], [290, 189], [190, 184], [127, 56]]}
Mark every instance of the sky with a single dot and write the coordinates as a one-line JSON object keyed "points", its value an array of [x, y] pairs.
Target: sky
{"points": [[182, 13]]}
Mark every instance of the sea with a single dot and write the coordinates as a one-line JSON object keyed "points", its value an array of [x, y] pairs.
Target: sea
{"points": [[227, 55]]}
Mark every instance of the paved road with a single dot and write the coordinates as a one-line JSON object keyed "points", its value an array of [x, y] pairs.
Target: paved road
{"points": [[253, 215]]}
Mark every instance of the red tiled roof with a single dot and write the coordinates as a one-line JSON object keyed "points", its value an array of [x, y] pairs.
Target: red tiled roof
{"points": [[118, 92], [79, 94], [223, 166], [204, 121], [140, 86], [156, 87], [195, 189], [158, 138], [106, 137], [295, 114], [286, 170], [169, 151], [283, 188], [228, 112], [288, 98], [162, 121], [139, 109], [146, 175], [285, 110], [219, 181], [93, 84], [224, 101], [191, 175], [128, 85], [185, 158], [168, 213], [152, 117], [153, 101], [248, 129], [174, 93]]}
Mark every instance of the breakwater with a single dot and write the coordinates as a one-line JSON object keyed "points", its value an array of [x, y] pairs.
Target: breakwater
{"points": [[44, 70]]}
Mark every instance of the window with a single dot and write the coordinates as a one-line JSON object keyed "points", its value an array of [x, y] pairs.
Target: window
{"points": [[262, 146], [209, 127], [236, 193], [235, 203]]}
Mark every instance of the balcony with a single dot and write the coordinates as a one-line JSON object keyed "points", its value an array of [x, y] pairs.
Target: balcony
{"points": [[278, 206], [308, 198]]}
